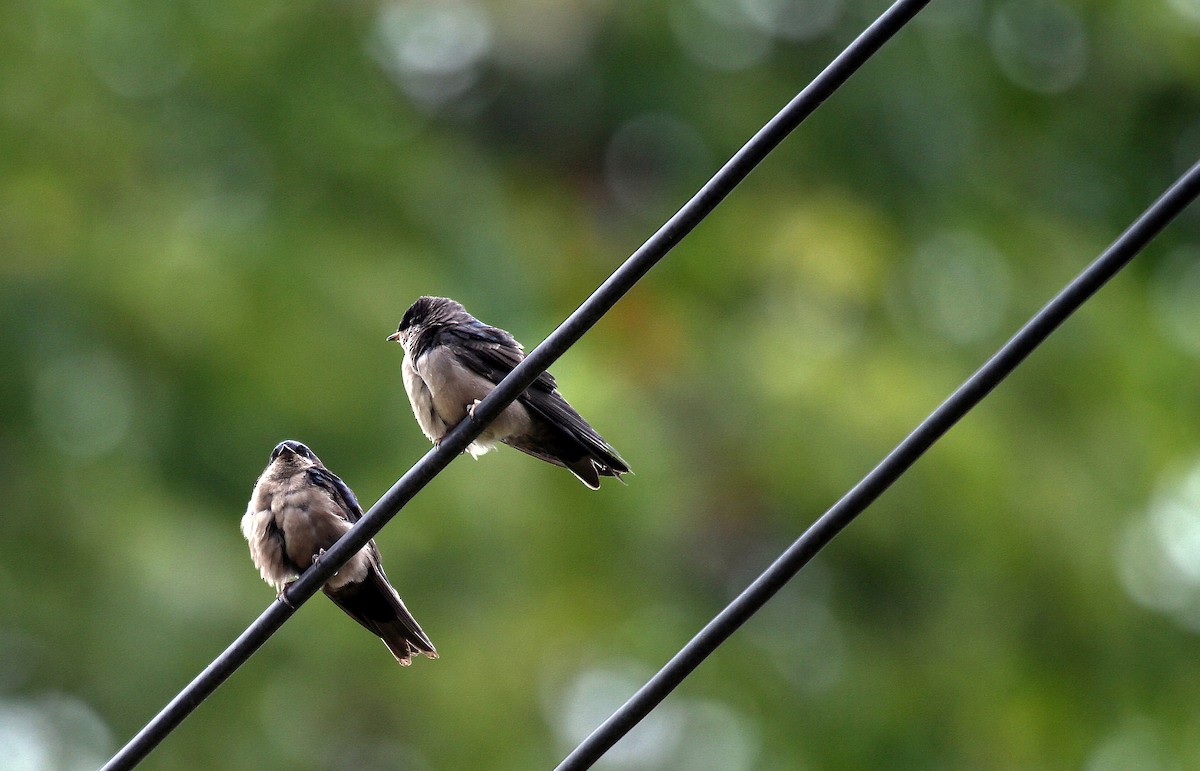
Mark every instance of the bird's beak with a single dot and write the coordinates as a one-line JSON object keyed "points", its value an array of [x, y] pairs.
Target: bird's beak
{"points": [[394, 337]]}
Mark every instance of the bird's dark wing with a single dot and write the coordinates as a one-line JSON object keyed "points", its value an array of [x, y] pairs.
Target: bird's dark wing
{"points": [[372, 602], [493, 353], [488, 351], [376, 605], [343, 498], [338, 490], [557, 412]]}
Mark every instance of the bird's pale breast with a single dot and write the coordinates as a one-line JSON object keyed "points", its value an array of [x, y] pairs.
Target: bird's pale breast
{"points": [[309, 522], [421, 400], [444, 388]]}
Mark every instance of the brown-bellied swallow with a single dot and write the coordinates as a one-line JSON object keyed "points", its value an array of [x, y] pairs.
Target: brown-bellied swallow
{"points": [[299, 509], [452, 360]]}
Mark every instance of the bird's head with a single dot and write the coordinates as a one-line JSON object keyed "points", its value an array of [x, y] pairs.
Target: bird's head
{"points": [[292, 454], [428, 312]]}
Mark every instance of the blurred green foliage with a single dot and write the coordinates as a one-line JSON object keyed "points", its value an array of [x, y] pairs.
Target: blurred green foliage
{"points": [[212, 213]]}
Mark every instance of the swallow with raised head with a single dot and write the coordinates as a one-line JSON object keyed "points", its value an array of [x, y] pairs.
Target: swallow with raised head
{"points": [[299, 509], [452, 360]]}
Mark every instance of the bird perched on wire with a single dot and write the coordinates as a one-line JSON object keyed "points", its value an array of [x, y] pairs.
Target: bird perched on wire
{"points": [[299, 509], [453, 360]]}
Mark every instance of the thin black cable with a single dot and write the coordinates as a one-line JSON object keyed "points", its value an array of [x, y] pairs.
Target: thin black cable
{"points": [[897, 462], [538, 360]]}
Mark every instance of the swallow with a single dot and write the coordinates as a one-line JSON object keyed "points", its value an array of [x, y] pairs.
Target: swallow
{"points": [[299, 509], [452, 360]]}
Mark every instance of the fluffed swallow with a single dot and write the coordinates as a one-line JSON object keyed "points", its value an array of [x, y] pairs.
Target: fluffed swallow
{"points": [[452, 360], [299, 509]]}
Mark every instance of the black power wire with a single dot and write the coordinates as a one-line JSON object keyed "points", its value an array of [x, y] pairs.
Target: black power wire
{"points": [[898, 461]]}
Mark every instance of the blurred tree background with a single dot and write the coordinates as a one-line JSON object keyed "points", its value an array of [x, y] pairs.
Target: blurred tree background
{"points": [[213, 212]]}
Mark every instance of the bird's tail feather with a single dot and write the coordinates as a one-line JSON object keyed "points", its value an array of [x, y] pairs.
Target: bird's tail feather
{"points": [[375, 604], [569, 441]]}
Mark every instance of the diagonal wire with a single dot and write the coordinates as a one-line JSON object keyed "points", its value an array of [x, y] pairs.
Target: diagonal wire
{"points": [[538, 360], [891, 468]]}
